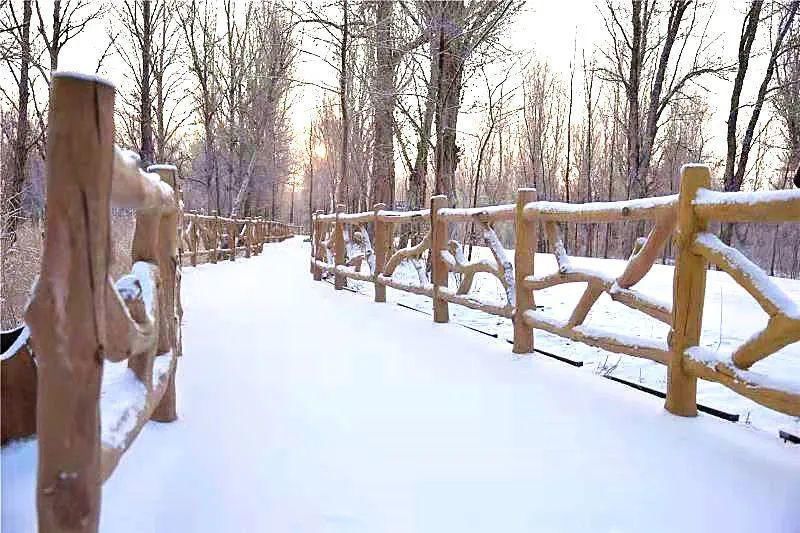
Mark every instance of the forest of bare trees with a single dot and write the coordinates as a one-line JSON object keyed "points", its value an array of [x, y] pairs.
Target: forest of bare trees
{"points": [[285, 107]]}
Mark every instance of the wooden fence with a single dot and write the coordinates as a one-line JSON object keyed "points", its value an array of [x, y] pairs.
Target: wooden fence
{"points": [[684, 216], [208, 237], [78, 317]]}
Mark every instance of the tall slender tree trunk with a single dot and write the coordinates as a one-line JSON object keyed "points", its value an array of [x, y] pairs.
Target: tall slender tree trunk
{"points": [[341, 192], [451, 59], [12, 188], [55, 48], [383, 101], [417, 187], [310, 178], [146, 106]]}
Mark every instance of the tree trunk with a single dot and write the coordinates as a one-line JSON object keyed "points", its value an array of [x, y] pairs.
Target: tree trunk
{"points": [[345, 149], [451, 59], [383, 101], [146, 107], [12, 188], [417, 187]]}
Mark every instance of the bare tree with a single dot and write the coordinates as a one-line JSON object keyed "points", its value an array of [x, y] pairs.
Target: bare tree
{"points": [[199, 29], [12, 187], [455, 30], [69, 18], [271, 51], [590, 101], [735, 170], [389, 51], [654, 57], [140, 22], [170, 113]]}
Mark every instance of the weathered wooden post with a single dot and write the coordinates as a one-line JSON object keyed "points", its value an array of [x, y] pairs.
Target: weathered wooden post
{"points": [[688, 293], [170, 310], [66, 314], [254, 238], [524, 254], [246, 234], [232, 238], [339, 252], [146, 247], [215, 236], [195, 237], [381, 251], [313, 240], [439, 274], [257, 234], [316, 247]]}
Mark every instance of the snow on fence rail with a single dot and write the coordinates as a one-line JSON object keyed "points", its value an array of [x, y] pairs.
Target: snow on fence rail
{"points": [[684, 217]]}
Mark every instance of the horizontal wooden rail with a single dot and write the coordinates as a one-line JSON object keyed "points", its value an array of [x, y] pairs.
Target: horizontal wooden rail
{"points": [[594, 212], [397, 217], [783, 396], [758, 206], [684, 216], [634, 346], [494, 213]]}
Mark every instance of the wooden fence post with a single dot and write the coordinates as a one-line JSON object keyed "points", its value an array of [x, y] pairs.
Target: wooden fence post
{"points": [[313, 238], [256, 234], [145, 247], [246, 235], [339, 251], [195, 237], [169, 297], [253, 235], [381, 251], [312, 242], [232, 239], [688, 293], [524, 254], [215, 236], [263, 237], [439, 273], [66, 314], [315, 246]]}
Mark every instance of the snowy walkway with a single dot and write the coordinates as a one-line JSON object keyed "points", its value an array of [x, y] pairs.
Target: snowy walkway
{"points": [[408, 426]]}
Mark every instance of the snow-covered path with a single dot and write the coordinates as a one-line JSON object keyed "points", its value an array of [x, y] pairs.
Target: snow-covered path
{"points": [[304, 409]]}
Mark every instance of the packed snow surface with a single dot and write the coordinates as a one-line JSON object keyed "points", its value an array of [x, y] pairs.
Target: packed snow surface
{"points": [[730, 317], [307, 409]]}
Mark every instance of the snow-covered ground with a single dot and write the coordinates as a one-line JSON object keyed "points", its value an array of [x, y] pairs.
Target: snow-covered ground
{"points": [[306, 409], [730, 316]]}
